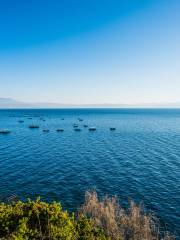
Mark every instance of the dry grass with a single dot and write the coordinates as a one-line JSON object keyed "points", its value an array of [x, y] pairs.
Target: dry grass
{"points": [[120, 224]]}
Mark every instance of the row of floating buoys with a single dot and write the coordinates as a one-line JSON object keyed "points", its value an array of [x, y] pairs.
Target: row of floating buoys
{"points": [[6, 131], [22, 121], [76, 128], [33, 126]]}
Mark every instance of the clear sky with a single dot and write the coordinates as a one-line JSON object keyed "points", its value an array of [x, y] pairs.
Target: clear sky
{"points": [[90, 51]]}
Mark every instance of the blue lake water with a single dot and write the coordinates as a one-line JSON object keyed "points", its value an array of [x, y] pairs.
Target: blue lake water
{"points": [[140, 160]]}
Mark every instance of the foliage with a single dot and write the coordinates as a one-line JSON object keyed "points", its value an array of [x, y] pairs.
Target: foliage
{"points": [[40, 220], [118, 223], [97, 220]]}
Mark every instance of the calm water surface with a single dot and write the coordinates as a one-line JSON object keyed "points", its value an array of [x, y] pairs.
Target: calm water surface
{"points": [[140, 160]]}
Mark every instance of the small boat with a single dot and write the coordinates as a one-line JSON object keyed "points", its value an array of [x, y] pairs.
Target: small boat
{"points": [[60, 130], [21, 121], [33, 126], [4, 131], [30, 118], [46, 130], [112, 128], [92, 129], [77, 129], [62, 118], [75, 125], [85, 126]]}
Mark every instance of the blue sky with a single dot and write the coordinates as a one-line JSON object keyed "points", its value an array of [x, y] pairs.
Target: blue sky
{"points": [[88, 51]]}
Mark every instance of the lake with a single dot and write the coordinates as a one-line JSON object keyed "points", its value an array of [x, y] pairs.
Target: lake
{"points": [[140, 160]]}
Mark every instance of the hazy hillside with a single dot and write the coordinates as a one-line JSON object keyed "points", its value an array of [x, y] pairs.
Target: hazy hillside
{"points": [[12, 103]]}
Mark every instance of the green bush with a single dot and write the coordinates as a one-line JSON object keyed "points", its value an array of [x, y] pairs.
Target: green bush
{"points": [[40, 220], [97, 219]]}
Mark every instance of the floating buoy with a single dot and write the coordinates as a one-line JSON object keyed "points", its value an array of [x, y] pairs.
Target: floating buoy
{"points": [[60, 130]]}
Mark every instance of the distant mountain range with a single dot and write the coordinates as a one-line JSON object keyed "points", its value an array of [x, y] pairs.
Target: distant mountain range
{"points": [[12, 103]]}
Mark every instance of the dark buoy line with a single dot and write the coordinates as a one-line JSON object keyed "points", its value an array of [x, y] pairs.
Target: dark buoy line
{"points": [[75, 126]]}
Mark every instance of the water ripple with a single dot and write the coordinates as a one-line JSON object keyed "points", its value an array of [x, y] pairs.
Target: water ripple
{"points": [[140, 160]]}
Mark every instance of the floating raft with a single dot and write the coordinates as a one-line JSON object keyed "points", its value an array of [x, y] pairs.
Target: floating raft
{"points": [[60, 130], [46, 130], [77, 129], [4, 131], [112, 129], [92, 129], [33, 126]]}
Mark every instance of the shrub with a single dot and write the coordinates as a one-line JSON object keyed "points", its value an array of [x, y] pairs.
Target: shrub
{"points": [[97, 220], [117, 223], [40, 220]]}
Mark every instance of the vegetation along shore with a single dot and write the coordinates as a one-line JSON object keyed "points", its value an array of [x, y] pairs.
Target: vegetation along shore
{"points": [[97, 219]]}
